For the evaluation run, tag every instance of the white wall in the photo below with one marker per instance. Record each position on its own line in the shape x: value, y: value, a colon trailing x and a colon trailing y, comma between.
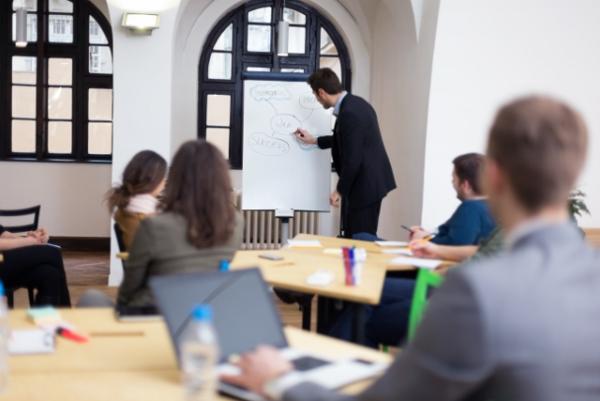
x: 401, y: 77
x: 488, y: 52
x: 142, y: 70
x: 70, y: 194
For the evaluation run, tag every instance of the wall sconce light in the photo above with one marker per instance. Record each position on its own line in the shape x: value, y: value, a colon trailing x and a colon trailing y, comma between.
x: 21, y: 27
x: 140, y: 23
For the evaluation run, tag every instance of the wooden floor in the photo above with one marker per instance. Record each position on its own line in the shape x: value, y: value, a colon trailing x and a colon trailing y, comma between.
x: 86, y: 270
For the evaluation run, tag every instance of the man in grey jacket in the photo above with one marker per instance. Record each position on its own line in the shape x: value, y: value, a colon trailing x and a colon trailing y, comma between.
x: 519, y: 326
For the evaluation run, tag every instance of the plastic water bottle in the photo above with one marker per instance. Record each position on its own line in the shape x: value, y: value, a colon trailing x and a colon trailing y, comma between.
x: 4, y: 336
x: 199, y: 356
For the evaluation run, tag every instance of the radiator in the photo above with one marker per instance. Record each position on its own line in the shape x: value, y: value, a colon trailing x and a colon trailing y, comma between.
x: 262, y: 230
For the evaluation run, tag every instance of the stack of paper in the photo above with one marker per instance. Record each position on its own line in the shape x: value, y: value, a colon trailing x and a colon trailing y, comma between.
x: 392, y: 244
x: 418, y: 262
x: 299, y: 243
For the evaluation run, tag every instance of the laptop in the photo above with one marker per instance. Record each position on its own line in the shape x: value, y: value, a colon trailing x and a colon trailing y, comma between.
x: 244, y: 317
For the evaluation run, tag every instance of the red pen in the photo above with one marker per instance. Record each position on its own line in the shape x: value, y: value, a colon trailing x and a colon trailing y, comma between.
x: 71, y: 335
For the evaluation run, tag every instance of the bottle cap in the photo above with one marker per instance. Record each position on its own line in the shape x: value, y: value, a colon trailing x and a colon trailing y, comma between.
x: 223, y: 265
x: 202, y: 313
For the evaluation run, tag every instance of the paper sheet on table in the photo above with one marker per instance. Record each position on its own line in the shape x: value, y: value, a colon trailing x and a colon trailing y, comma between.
x: 299, y: 243
x: 24, y: 342
x: 391, y: 243
x: 424, y: 263
x: 401, y: 251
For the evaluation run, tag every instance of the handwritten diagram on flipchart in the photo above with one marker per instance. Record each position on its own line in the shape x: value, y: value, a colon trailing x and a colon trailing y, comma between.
x: 279, y: 171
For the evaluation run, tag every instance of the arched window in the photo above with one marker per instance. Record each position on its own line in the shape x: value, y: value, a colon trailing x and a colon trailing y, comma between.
x: 243, y: 46
x: 57, y: 91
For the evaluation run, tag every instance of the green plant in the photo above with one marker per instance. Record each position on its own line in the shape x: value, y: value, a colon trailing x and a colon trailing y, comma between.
x: 577, y: 206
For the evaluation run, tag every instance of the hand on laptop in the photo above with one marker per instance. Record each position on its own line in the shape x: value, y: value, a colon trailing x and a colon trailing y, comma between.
x: 258, y: 368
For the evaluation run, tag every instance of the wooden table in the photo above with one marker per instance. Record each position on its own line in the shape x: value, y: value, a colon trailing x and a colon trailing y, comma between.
x: 121, y: 368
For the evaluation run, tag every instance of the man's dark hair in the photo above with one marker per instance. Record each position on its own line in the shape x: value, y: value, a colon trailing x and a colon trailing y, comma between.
x: 325, y: 79
x: 540, y: 144
x: 468, y: 168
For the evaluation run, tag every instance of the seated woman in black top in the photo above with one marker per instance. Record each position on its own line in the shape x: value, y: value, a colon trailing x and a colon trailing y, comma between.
x: 30, y: 262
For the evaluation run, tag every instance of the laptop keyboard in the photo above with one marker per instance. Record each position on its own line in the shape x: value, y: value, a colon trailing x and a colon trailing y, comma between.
x: 307, y: 363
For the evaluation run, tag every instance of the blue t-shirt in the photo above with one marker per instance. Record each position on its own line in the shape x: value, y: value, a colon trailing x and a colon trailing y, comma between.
x: 469, y: 225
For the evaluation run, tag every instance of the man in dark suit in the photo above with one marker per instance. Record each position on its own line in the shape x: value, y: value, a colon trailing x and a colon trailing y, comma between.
x: 359, y: 157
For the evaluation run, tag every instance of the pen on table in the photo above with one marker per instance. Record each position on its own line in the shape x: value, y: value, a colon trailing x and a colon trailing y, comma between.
x: 283, y: 264
x: 117, y: 334
x: 70, y: 335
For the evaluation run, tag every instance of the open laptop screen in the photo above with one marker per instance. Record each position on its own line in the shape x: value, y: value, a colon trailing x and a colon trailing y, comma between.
x: 244, y: 314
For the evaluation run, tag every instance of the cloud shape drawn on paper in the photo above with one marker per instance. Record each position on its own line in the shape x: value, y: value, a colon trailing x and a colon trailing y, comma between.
x: 285, y: 124
x: 269, y: 92
x: 268, y: 145
x: 309, y: 102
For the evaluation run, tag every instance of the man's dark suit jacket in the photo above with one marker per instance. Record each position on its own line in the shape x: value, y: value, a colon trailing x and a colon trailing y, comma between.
x: 359, y: 157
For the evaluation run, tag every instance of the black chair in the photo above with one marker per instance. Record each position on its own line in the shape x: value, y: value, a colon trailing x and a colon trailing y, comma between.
x: 22, y: 228
x: 119, y: 235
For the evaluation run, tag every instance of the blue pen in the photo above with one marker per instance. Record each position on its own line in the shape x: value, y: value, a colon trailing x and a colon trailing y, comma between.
x: 352, y: 264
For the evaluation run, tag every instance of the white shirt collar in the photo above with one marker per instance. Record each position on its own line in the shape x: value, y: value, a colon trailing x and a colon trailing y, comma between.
x: 143, y: 203
x: 338, y: 104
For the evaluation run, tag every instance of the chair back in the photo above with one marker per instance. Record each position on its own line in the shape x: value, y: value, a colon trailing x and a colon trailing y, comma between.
x: 426, y: 279
x: 119, y: 235
x: 22, y: 228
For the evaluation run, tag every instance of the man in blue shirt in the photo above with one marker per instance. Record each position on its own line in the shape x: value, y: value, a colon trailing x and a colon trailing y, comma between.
x: 472, y: 221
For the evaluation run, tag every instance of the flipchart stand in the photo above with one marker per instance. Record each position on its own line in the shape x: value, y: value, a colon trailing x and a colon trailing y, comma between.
x: 284, y: 215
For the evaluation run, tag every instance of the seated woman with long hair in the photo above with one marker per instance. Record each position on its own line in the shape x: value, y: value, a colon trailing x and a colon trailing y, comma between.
x: 198, y: 225
x: 29, y: 262
x: 137, y: 195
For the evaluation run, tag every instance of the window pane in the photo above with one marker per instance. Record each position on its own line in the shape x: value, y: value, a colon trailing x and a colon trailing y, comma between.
x: 23, y: 136
x: 333, y: 63
x: 327, y: 46
x: 217, y: 110
x: 60, y: 6
x: 258, y: 69
x: 100, y: 60
x: 59, y: 137
x: 100, y: 138
x: 219, y: 66
x: 260, y: 15
x: 294, y: 17
x: 294, y: 70
x: 225, y: 40
x: 23, y: 101
x: 97, y: 36
x: 59, y: 103
x: 30, y: 5
x: 60, y: 28
x: 60, y: 71
x: 24, y: 70
x: 220, y: 138
x: 100, y: 104
x: 259, y: 38
x: 31, y: 27
x: 296, y: 40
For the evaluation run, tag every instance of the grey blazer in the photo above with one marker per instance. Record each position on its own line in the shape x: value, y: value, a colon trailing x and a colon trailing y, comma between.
x: 160, y: 247
x: 521, y: 326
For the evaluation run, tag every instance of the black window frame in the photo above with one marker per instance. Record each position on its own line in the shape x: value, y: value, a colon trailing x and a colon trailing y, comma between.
x: 82, y: 80
x: 241, y: 59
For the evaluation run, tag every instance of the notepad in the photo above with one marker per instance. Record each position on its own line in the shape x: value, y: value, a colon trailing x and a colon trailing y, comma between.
x: 299, y: 243
x: 391, y: 243
x: 418, y: 262
x: 25, y: 342
x: 44, y: 316
x: 400, y: 251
